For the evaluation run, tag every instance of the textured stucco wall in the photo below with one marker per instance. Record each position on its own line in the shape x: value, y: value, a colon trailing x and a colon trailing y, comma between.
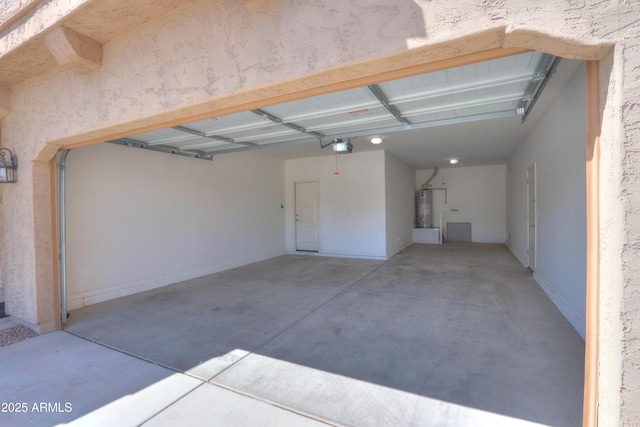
x: 630, y: 197
x: 212, y: 57
x: 12, y: 10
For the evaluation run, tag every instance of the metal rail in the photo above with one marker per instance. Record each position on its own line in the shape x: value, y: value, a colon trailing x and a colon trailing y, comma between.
x: 62, y: 234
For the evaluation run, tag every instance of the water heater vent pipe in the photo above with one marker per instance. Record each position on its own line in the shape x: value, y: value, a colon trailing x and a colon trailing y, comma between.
x: 435, y: 172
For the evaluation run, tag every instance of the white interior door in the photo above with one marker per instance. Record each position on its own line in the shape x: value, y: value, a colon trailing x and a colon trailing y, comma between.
x: 531, y: 213
x: 307, y: 216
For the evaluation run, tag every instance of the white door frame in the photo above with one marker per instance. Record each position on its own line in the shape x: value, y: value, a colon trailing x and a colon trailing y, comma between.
x: 532, y: 210
x: 296, y: 217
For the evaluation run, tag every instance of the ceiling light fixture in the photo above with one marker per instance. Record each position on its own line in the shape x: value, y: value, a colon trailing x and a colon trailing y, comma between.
x: 376, y: 140
x: 454, y: 161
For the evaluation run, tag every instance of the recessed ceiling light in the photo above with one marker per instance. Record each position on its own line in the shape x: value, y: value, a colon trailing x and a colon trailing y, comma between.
x: 376, y: 140
x: 454, y: 161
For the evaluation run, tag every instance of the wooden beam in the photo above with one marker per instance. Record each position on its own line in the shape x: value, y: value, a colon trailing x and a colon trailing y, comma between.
x: 74, y: 50
x: 590, y: 403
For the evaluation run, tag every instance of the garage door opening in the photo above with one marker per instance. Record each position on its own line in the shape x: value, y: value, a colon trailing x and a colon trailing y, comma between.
x: 160, y: 220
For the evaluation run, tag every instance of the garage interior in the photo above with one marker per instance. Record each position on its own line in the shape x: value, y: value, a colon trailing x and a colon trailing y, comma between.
x: 194, y: 261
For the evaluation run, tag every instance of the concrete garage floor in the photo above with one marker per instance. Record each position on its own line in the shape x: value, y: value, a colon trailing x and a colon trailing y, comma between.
x: 457, y: 335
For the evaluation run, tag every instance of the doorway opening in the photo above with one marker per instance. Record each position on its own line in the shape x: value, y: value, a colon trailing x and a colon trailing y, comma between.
x: 306, y: 196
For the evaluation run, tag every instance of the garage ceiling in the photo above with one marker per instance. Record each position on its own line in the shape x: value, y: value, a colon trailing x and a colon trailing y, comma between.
x: 413, y: 115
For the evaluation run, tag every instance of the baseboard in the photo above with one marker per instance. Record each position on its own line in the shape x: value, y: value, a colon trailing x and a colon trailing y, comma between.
x: 570, y: 312
x: 81, y: 299
x: 401, y: 248
x: 520, y: 257
x: 338, y: 255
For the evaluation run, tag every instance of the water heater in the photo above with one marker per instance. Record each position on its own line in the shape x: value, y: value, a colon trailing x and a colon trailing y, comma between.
x: 424, y: 209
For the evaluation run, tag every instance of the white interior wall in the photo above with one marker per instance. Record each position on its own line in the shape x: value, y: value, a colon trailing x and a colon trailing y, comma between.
x: 474, y: 194
x: 139, y: 219
x: 352, y: 204
x: 400, y: 204
x: 557, y: 146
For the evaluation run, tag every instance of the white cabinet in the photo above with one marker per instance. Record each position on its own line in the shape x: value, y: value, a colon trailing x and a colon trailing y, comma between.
x: 426, y: 235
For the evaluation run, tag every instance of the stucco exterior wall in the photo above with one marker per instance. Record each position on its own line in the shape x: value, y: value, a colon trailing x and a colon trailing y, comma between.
x: 210, y: 58
x: 629, y: 57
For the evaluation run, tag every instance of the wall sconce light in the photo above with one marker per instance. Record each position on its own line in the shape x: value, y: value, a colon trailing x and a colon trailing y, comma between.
x: 8, y: 170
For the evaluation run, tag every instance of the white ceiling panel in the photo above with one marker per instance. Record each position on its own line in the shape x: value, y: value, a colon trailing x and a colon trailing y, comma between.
x: 358, y: 128
x: 265, y: 131
x: 343, y: 118
x: 163, y: 136
x: 328, y: 104
x: 203, y: 144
